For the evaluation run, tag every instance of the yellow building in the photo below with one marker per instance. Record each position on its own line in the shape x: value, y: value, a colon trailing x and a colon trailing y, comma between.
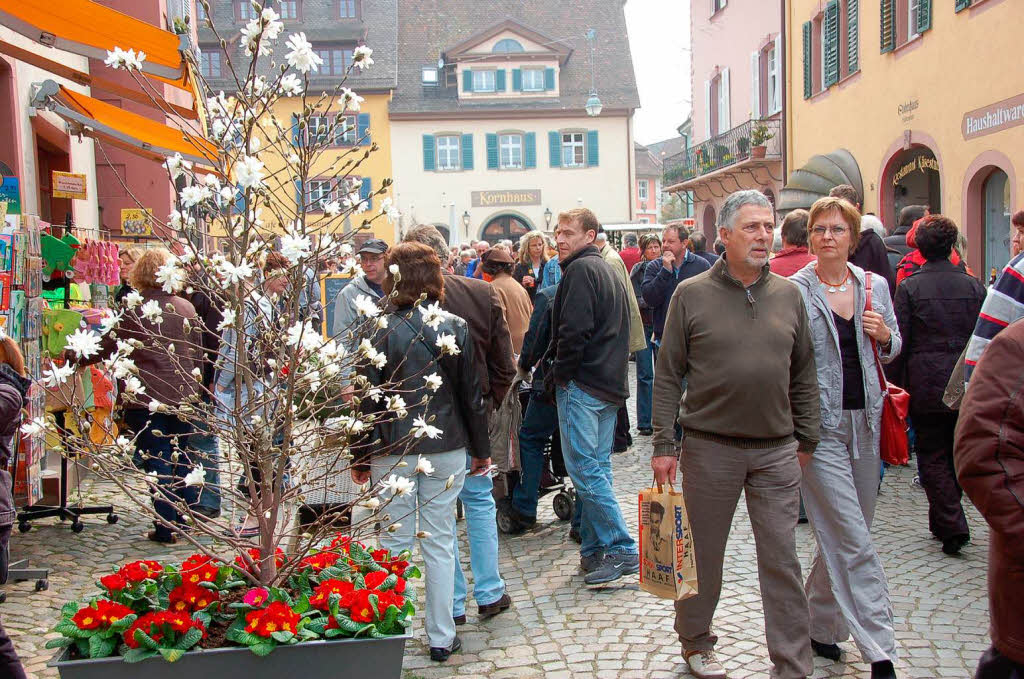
x: 927, y: 96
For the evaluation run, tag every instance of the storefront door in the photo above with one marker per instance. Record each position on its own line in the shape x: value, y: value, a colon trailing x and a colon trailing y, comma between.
x: 997, y: 222
x: 512, y: 227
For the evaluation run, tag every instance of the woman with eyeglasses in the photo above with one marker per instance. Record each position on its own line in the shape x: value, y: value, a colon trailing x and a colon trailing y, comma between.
x: 846, y: 588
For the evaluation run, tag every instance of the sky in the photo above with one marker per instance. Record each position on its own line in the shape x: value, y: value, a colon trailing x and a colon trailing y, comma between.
x: 659, y: 37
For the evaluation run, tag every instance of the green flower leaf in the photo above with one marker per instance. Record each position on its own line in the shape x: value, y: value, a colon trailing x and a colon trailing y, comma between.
x: 172, y: 654
x: 189, y: 639
x: 138, y: 655
x: 123, y: 624
x: 262, y: 649
x: 59, y: 642
x: 283, y: 636
x: 143, y: 639
x: 101, y: 647
x: 69, y: 609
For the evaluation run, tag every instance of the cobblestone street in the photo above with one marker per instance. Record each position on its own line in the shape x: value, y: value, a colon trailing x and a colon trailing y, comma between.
x: 556, y: 628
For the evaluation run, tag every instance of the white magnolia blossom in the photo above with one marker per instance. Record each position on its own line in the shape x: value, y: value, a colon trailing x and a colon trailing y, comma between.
x: 396, y: 404
x: 126, y: 59
x: 382, y: 322
x: 375, y: 394
x: 420, y: 428
x: 212, y: 181
x: 56, y: 375
x: 332, y: 208
x: 34, y: 428
x: 301, y: 56
x: 361, y: 56
x: 295, y: 246
x: 423, y: 465
x: 447, y: 344
x: 432, y: 315
x: 156, y: 406
x: 387, y: 208
x: 433, y: 381
x: 231, y: 274
x: 227, y: 321
x: 152, y: 312
x: 84, y: 343
x: 123, y: 367
x: 290, y: 86
x: 176, y: 165
x: 303, y: 335
x: 365, y: 306
x: 370, y: 503
x: 345, y: 423
x: 352, y: 200
x: 180, y: 221
x: 196, y: 477
x: 171, y: 277
x: 109, y: 320
x: 399, y: 485
x: 226, y: 196
x: 350, y: 101
x: 393, y: 269
x: 249, y: 172
x: 293, y: 159
x: 133, y: 299
x: 194, y: 195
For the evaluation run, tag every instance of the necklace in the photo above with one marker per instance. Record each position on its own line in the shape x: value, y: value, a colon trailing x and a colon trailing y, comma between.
x: 833, y: 287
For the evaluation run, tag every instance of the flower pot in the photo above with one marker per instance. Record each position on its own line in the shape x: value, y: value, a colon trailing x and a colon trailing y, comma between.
x: 757, y: 151
x: 378, y: 658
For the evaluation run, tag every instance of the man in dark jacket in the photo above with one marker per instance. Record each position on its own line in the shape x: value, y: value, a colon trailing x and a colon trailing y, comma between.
x: 204, y: 442
x: 675, y: 265
x: 699, y: 247
x: 870, y: 254
x: 897, y: 240
x: 589, y: 347
x: 989, y: 441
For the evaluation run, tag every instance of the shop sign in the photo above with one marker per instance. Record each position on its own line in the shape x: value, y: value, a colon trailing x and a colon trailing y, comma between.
x: 136, y: 222
x: 906, y: 110
x: 11, y: 195
x: 921, y: 163
x: 69, y: 185
x: 994, y: 117
x: 506, y: 198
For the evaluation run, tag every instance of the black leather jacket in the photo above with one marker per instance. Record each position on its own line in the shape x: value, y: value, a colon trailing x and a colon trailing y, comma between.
x: 457, y: 408
x: 13, y: 388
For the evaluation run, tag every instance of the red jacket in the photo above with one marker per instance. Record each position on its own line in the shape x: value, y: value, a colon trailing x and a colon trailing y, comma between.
x: 790, y: 260
x: 989, y: 458
x: 630, y: 256
x: 909, y: 265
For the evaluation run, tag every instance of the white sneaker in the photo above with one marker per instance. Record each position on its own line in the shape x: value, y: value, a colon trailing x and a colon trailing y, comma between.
x: 704, y: 665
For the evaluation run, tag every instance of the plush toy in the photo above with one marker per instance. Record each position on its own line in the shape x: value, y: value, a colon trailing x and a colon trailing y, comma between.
x: 103, y: 431
x: 57, y: 325
x: 57, y: 254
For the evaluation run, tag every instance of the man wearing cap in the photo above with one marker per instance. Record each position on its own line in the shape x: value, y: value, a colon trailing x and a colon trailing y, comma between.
x: 497, y: 270
x: 346, y: 318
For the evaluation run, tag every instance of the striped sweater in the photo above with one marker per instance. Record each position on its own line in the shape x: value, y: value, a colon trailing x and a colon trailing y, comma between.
x: 1003, y: 306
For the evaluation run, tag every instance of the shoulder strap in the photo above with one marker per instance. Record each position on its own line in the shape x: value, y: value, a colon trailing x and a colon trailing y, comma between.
x: 874, y: 346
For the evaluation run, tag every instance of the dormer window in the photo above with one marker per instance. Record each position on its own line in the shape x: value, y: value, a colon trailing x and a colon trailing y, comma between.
x: 483, y: 81
x: 508, y: 45
x: 533, y: 80
x: 429, y: 76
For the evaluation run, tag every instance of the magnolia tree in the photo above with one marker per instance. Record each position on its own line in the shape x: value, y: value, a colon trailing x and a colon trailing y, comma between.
x: 290, y: 406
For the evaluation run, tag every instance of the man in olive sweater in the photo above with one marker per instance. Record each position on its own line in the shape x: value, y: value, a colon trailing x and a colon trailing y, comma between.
x: 750, y: 421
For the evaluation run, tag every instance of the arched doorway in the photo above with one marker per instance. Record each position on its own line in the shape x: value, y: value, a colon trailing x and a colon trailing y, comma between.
x: 512, y: 227
x: 996, y: 215
x: 707, y: 223
x: 444, y: 231
x: 911, y: 177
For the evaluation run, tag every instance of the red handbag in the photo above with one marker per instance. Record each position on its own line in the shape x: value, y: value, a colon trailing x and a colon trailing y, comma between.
x: 895, y: 448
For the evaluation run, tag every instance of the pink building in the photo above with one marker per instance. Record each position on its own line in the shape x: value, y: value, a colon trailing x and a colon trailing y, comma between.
x: 736, y: 86
x: 647, y: 198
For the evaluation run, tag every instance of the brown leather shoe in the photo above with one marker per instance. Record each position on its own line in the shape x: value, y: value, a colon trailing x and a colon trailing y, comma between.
x: 499, y: 606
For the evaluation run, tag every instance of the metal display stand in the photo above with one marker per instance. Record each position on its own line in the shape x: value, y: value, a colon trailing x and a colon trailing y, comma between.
x: 18, y: 571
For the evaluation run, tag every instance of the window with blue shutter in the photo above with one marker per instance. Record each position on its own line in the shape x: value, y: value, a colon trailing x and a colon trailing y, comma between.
x: 961, y: 5
x: 592, y: 153
x: 429, y: 158
x: 554, y: 149
x: 363, y: 129
x: 499, y: 80
x: 492, y: 152
x: 517, y: 80
x: 364, y: 193
x: 852, y: 36
x: 830, y: 34
x: 467, y: 80
x: 467, y: 152
x: 549, y: 79
x: 808, y: 61
x: 530, y: 150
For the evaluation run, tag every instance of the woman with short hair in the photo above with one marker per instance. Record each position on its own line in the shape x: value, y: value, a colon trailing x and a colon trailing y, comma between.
x: 847, y: 592
x: 529, y: 271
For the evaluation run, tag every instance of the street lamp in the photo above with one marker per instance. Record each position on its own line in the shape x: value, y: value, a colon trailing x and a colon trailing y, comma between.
x: 593, y: 105
x: 547, y: 217
x: 465, y: 219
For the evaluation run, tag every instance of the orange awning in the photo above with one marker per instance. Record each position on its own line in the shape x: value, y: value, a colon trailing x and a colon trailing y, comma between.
x: 131, y: 131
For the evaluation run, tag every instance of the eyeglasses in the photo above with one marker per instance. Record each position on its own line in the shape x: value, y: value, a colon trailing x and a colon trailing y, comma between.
x: 836, y: 231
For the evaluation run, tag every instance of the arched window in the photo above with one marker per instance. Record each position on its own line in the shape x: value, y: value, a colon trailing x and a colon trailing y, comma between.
x: 508, y: 45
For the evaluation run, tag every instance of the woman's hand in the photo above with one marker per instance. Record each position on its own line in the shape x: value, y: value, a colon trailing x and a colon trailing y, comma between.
x: 876, y: 328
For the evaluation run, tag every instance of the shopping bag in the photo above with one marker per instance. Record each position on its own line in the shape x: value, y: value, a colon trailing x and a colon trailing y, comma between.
x: 668, y: 568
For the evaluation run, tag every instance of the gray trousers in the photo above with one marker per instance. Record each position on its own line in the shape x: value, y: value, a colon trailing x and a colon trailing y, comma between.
x: 714, y: 475
x: 846, y: 588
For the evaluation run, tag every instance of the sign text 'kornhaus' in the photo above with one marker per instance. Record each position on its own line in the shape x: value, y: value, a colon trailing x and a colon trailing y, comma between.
x: 506, y: 198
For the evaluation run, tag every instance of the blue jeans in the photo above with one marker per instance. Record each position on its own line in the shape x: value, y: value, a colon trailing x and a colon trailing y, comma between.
x: 482, y: 528
x: 539, y: 423
x: 587, y: 427
x: 645, y: 381
x: 203, y: 446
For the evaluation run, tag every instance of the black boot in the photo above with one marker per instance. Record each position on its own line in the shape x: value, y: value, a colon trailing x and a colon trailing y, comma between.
x: 883, y: 669
x: 830, y: 651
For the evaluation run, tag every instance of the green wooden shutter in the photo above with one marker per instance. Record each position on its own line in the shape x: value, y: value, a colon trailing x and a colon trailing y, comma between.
x: 961, y: 5
x: 492, y: 152
x: 363, y: 129
x: 467, y: 152
x: 499, y: 80
x: 592, y: 152
x: 530, y: 150
x: 808, y: 62
x: 517, y: 80
x: 830, y: 33
x: 429, y: 162
x: 888, y: 17
x: 467, y: 80
x: 853, y: 35
x: 554, y: 149
x: 924, y: 15
x: 549, y: 79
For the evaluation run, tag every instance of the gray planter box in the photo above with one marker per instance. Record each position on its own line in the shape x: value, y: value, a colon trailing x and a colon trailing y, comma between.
x: 377, y: 658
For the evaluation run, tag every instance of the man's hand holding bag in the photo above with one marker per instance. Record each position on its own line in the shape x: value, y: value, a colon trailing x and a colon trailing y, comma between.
x: 668, y: 568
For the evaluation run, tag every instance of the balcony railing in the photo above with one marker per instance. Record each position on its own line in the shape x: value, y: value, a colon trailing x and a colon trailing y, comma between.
x: 724, y: 150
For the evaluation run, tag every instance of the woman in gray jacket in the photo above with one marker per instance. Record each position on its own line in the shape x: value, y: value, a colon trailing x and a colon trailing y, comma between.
x: 846, y: 588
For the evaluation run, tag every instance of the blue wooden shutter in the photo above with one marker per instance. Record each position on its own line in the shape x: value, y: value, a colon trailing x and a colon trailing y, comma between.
x: 961, y: 5
x: 363, y: 129
x: 429, y: 162
x: 296, y: 132
x: 467, y: 80
x: 492, y: 152
x: 852, y: 36
x: 517, y: 80
x: 467, y: 152
x: 808, y: 61
x: 830, y: 34
x: 549, y: 79
x: 299, y: 196
x: 888, y: 17
x: 554, y: 149
x: 924, y: 15
x: 530, y: 150
x: 592, y: 154
x: 364, y: 193
x: 499, y: 80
